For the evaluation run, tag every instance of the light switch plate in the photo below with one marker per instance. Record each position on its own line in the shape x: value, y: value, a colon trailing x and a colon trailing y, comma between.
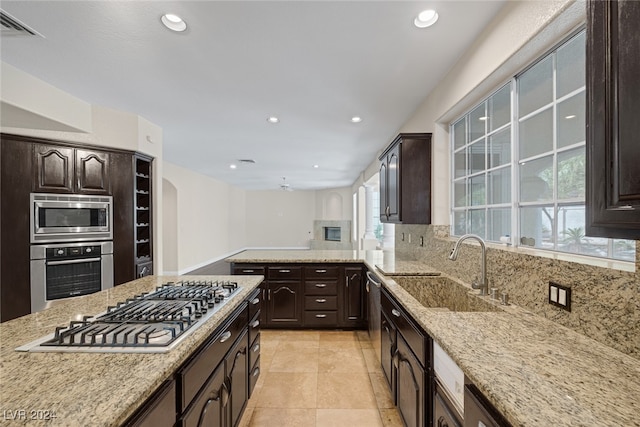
x: 560, y: 296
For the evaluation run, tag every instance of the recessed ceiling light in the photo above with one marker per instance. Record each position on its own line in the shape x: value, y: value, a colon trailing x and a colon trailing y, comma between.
x: 173, y: 22
x: 232, y: 166
x: 273, y: 119
x: 572, y: 116
x: 483, y: 118
x: 426, y: 18
x: 316, y: 166
x: 356, y: 119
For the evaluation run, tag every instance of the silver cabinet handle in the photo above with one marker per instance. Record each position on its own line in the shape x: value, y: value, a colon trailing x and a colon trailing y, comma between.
x: 256, y: 348
x: 320, y: 285
x: 395, y: 312
x: 256, y: 372
x: 247, y: 271
x: 321, y: 271
x: 225, y: 336
x: 347, y: 278
x: 321, y: 300
x: 284, y: 271
x: 321, y: 316
x: 255, y: 323
x: 255, y: 301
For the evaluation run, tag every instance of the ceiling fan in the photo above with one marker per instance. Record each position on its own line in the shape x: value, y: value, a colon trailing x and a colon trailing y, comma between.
x: 285, y: 185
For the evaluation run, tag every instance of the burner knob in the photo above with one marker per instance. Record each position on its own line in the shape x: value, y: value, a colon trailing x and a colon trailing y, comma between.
x: 60, y: 251
x: 88, y: 250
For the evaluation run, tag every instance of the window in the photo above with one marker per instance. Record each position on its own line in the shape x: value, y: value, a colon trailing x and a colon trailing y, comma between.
x: 531, y: 132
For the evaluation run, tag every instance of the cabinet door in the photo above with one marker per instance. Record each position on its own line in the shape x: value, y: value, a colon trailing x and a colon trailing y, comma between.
x: 159, y: 410
x: 383, y: 191
x: 387, y: 350
x: 53, y: 172
x: 285, y: 300
x: 393, y: 184
x: 237, y: 363
x: 353, y: 309
x: 92, y: 172
x: 410, y: 386
x: 613, y: 102
x: 209, y: 408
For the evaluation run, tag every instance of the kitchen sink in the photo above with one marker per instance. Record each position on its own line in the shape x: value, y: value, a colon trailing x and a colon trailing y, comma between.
x: 442, y: 292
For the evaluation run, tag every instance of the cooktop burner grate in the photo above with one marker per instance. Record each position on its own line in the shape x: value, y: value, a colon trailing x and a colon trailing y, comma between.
x: 151, y: 320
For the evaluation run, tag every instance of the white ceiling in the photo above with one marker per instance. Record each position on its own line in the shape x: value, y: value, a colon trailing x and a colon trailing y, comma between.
x: 314, y: 64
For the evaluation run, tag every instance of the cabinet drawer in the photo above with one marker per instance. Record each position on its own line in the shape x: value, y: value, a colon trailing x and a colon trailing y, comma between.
x: 313, y: 287
x: 254, y: 350
x: 320, y: 272
x: 210, y: 403
x: 285, y: 272
x: 254, y: 327
x: 321, y: 318
x: 248, y: 269
x: 320, y: 302
x: 255, y: 303
x: 254, y: 374
x: 194, y: 374
x: 159, y: 410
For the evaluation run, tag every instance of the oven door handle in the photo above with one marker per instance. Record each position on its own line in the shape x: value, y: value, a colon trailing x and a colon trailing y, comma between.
x: 73, y: 261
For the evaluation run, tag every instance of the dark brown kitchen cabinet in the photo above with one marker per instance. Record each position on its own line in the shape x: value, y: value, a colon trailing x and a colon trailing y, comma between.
x: 285, y: 300
x: 443, y: 413
x: 405, y: 180
x: 60, y: 169
x: 159, y: 410
x: 237, y: 366
x: 15, y: 294
x: 209, y: 408
x: 613, y: 128
x: 387, y: 349
x: 478, y: 411
x: 410, y: 386
x: 353, y: 312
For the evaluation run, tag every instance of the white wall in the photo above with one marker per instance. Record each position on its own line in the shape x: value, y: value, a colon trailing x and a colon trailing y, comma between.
x: 280, y: 218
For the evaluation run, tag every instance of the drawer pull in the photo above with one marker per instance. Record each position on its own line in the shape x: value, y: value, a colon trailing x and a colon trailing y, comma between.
x: 321, y: 300
x: 395, y: 312
x: 321, y: 316
x: 256, y: 372
x: 321, y: 271
x: 255, y: 323
x: 225, y: 336
x: 284, y: 271
x: 320, y: 285
x: 256, y: 348
x: 247, y: 271
x: 255, y: 301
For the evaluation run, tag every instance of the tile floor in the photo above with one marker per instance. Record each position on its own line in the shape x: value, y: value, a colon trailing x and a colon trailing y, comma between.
x: 319, y: 379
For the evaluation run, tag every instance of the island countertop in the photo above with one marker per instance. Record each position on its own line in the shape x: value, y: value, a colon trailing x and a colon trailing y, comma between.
x: 91, y: 389
x: 535, y: 372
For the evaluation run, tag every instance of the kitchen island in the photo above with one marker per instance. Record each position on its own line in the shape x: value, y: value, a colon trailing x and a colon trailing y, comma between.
x: 92, y: 389
x: 534, y: 371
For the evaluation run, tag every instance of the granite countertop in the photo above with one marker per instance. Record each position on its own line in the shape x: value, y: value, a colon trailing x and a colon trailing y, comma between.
x: 535, y: 372
x: 91, y: 389
x: 384, y: 261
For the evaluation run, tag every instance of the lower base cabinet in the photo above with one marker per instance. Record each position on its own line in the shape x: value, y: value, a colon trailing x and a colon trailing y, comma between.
x: 212, y: 387
x: 443, y: 413
x: 410, y: 386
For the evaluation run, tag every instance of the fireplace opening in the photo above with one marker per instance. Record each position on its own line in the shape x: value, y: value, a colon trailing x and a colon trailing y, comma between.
x: 332, y: 234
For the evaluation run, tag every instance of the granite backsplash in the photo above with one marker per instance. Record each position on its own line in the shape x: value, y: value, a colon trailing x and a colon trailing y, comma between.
x: 605, y: 303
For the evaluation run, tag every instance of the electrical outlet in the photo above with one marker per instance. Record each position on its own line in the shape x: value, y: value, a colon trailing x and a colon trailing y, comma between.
x: 560, y: 296
x: 403, y: 237
x: 421, y: 240
x: 409, y: 237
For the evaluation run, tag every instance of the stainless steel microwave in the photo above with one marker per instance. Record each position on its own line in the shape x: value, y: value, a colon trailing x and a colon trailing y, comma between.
x: 70, y: 218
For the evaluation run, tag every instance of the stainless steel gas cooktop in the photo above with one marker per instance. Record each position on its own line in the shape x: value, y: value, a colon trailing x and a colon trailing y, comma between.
x: 148, y: 323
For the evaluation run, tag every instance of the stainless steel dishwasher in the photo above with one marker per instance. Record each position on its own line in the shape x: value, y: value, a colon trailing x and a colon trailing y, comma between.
x: 373, y: 291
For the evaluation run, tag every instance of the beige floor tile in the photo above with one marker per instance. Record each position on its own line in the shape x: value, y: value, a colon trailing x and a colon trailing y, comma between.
x: 286, y: 344
x: 342, y: 344
x: 345, y: 391
x: 292, y: 335
x: 338, y: 336
x: 288, y: 390
x: 348, y: 417
x: 271, y: 417
x: 246, y: 417
x: 347, y: 360
x: 299, y: 360
x: 381, y: 390
x: 391, y: 418
x: 371, y: 360
x: 362, y: 335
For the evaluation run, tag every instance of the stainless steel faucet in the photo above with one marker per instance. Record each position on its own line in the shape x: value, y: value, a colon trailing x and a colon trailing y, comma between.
x: 483, y: 285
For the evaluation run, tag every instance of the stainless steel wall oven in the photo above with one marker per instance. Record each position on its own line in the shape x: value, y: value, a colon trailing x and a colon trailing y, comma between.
x: 68, y: 270
x: 70, y: 218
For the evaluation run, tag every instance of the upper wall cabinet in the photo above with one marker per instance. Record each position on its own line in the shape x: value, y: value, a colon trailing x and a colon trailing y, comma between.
x: 61, y: 169
x: 405, y: 180
x: 613, y: 128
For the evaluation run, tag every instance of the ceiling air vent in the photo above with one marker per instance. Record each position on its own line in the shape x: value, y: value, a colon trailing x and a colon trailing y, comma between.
x: 12, y: 27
